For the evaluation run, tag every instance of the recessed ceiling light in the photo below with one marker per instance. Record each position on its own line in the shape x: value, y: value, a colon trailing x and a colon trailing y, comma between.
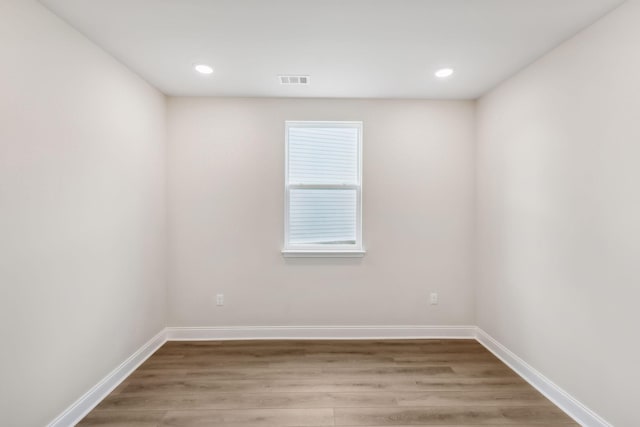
x: 443, y: 73
x: 203, y: 68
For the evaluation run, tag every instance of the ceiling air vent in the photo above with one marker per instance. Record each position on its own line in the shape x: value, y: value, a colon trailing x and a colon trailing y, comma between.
x: 294, y: 80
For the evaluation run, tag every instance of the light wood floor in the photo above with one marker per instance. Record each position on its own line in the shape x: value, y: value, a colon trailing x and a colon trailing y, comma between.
x: 325, y: 383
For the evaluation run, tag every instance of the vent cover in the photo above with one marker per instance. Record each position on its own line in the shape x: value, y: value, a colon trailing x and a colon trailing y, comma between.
x: 294, y: 80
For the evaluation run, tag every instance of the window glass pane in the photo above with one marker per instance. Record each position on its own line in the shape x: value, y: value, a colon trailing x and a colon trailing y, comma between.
x: 323, y: 155
x: 322, y: 216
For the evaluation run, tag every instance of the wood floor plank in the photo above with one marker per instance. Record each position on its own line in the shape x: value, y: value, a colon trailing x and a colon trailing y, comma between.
x: 250, y: 417
x: 133, y: 418
x: 524, y: 397
x: 199, y: 401
x: 449, y: 415
x: 335, y: 385
x: 313, y: 373
x: 289, y: 383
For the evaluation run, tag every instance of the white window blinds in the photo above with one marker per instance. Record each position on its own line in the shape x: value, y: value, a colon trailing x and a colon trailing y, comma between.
x: 323, y: 185
x: 323, y: 155
x: 320, y: 216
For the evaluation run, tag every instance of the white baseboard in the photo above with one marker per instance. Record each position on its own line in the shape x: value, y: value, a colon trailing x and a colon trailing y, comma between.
x: 78, y: 410
x: 572, y: 407
x: 319, y: 332
x: 561, y: 398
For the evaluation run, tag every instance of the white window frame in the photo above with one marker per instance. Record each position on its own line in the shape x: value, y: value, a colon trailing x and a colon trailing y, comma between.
x: 355, y: 250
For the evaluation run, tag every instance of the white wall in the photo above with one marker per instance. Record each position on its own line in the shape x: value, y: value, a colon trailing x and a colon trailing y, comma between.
x: 82, y: 214
x: 559, y: 215
x: 226, y: 168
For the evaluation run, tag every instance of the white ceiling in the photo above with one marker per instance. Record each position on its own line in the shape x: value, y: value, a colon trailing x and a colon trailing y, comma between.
x: 350, y: 48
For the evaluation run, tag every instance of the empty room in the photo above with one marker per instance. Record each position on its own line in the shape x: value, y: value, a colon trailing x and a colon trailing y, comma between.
x: 308, y: 213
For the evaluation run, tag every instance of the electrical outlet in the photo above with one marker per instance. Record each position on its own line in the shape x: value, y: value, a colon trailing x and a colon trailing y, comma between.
x: 434, y: 298
x: 220, y: 299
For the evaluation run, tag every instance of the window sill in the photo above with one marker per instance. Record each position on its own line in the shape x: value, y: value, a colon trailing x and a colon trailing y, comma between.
x: 344, y: 253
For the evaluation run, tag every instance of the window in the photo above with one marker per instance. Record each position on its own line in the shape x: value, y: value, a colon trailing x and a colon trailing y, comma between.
x: 323, y: 183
